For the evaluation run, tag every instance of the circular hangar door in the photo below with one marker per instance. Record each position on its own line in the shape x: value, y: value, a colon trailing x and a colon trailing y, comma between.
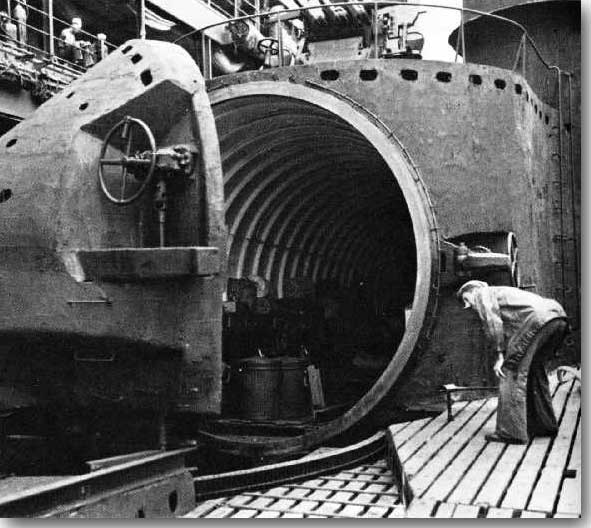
x: 318, y: 189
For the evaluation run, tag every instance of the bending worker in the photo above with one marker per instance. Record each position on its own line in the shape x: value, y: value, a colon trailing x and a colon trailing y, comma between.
x: 526, y: 330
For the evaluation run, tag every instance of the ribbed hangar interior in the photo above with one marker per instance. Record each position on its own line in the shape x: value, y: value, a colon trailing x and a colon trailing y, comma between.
x: 309, y: 199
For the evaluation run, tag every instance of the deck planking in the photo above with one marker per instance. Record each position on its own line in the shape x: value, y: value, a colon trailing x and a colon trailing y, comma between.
x: 453, y: 470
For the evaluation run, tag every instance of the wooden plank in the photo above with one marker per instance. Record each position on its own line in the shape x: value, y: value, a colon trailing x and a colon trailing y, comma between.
x: 244, y: 514
x: 499, y: 513
x: 305, y: 506
x: 261, y: 502
x: 298, y: 493
x: 527, y: 514
x: 460, y: 465
x: 400, y: 437
x: 320, y: 494
x: 548, y: 485
x: 365, y: 498
x: 570, y: 496
x: 574, y: 461
x: 398, y: 512
x: 500, y: 477
x: 406, y: 450
x: 386, y: 495
x: 445, y: 510
x: 204, y: 508
x: 377, y: 470
x: 292, y: 515
x: 498, y: 480
x: 442, y: 473
x: 341, y: 500
x: 376, y: 512
x: 221, y: 512
x: 333, y: 484
x: 284, y: 504
x: 566, y: 516
x: 431, y: 450
x: 466, y: 511
x: 420, y: 509
x: 355, y: 485
x: 328, y: 508
x: 268, y: 515
x: 397, y: 427
x: 279, y: 490
x: 523, y: 482
x: 474, y: 478
x: 239, y: 500
x: 352, y: 510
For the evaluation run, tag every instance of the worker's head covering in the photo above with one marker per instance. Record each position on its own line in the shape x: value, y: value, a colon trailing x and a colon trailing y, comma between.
x: 468, y: 287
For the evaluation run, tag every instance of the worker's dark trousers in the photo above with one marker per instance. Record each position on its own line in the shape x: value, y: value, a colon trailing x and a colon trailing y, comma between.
x: 525, y: 403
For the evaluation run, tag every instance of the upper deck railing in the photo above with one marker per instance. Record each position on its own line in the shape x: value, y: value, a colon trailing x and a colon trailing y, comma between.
x: 40, y: 50
x: 45, y: 38
x: 525, y: 46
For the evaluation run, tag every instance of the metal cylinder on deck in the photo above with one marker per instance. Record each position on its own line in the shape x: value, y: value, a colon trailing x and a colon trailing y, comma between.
x: 260, y: 381
x: 294, y: 394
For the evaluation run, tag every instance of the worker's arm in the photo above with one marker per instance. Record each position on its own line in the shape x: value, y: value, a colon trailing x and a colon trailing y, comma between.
x: 488, y: 309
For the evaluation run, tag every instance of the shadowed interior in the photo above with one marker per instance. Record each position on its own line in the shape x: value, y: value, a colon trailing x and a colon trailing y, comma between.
x: 308, y: 196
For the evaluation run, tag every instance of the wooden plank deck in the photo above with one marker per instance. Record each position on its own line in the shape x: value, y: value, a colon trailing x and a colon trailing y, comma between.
x: 454, y: 472
x: 464, y: 475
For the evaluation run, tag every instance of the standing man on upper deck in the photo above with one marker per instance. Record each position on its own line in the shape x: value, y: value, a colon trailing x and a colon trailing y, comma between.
x: 20, y: 12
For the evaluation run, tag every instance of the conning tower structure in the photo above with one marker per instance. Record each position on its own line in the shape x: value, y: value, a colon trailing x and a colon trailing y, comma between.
x: 555, y: 27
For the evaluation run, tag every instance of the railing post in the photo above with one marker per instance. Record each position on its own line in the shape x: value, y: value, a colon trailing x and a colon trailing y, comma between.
x: 142, y: 19
x: 463, y: 37
x: 206, y: 56
x: 524, y: 56
x: 51, y: 28
x: 280, y: 40
x: 257, y: 11
x: 375, y: 31
x: 518, y: 54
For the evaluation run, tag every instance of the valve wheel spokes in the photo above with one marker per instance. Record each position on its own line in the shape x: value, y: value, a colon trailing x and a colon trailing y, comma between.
x: 125, y: 129
x: 268, y: 45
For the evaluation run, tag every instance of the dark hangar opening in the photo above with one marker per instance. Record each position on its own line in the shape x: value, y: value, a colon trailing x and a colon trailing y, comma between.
x: 314, y: 210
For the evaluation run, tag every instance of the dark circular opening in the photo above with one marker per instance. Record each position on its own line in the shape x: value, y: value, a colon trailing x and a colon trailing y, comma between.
x: 83, y: 106
x: 11, y: 142
x: 368, y: 75
x: 443, y: 76
x: 314, y: 209
x: 146, y: 77
x: 5, y: 194
x: 409, y: 75
x: 329, y: 75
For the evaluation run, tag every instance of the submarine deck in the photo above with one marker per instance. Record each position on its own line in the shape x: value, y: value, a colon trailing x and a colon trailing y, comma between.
x: 453, y: 470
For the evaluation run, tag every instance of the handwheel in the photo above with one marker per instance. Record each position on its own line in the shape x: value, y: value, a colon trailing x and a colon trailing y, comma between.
x: 268, y: 45
x: 144, y: 162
